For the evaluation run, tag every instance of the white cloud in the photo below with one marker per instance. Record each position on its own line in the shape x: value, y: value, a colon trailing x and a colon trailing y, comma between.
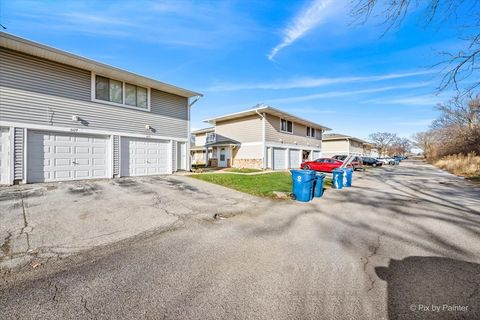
x: 310, y: 82
x: 422, y: 100
x: 174, y: 23
x: 333, y: 94
x: 309, y: 18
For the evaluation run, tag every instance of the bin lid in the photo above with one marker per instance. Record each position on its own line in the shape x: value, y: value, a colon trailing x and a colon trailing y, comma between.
x: 303, y: 172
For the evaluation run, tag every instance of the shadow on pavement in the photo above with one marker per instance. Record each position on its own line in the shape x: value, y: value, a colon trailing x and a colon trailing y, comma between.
x: 431, y: 288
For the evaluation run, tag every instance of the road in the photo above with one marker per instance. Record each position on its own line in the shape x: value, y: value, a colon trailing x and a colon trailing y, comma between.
x: 403, y: 243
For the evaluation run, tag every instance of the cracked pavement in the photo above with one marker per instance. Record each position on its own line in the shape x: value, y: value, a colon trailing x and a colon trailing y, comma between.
x: 41, y: 222
x: 402, y: 237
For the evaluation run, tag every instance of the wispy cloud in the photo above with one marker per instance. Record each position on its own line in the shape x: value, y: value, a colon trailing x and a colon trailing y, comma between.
x: 175, y: 23
x: 311, y: 82
x: 422, y: 100
x: 310, y: 17
x: 334, y: 94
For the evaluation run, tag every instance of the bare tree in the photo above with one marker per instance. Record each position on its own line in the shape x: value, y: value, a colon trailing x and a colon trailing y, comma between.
x: 457, y: 66
x: 383, y: 141
x: 399, y: 146
x: 425, y: 141
x: 460, y: 112
x: 456, y: 131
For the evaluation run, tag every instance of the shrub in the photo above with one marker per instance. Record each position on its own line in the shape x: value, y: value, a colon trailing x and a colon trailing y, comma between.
x: 467, y: 166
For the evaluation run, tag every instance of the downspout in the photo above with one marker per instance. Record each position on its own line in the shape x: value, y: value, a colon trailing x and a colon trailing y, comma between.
x: 263, y: 138
x: 188, y: 159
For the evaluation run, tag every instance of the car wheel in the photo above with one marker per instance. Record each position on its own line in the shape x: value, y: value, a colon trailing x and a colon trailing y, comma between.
x: 374, y: 164
x: 306, y: 167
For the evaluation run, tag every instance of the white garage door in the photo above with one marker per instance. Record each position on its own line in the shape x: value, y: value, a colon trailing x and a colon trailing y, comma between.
x: 4, y: 155
x: 316, y: 155
x: 295, y: 159
x: 142, y: 157
x: 279, y: 159
x: 53, y: 156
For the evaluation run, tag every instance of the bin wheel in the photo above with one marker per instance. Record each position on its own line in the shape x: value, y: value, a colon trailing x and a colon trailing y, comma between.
x: 292, y: 196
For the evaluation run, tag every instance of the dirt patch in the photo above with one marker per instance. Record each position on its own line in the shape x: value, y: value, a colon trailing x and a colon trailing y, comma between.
x: 179, y: 185
x: 85, y: 189
x: 6, y: 246
x: 126, y: 183
x: 14, y: 193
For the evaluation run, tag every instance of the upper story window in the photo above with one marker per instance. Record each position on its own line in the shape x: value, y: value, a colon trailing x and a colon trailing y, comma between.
x: 122, y: 93
x: 286, y: 126
x: 211, y: 137
x: 311, y: 132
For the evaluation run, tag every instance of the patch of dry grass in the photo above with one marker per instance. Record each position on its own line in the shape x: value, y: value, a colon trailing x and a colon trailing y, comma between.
x: 465, y: 166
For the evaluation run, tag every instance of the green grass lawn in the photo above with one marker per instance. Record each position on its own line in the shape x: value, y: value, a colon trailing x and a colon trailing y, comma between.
x: 242, y: 170
x: 261, y: 185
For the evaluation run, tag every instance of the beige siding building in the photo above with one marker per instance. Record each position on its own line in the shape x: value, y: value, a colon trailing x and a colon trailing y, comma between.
x: 263, y: 138
x: 340, y: 144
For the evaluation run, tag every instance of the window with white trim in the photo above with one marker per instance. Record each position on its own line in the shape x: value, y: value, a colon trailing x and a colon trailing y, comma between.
x: 122, y: 93
x: 311, y: 132
x: 286, y: 126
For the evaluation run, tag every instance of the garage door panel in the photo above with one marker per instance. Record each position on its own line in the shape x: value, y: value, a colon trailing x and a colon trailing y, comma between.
x: 65, y: 156
x: 61, y: 149
x: 294, y: 158
x: 144, y: 157
x: 59, y: 162
x: 61, y: 175
x: 279, y: 159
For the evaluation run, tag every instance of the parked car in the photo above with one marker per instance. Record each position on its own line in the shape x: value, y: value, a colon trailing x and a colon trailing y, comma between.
x: 387, y: 160
x: 357, y: 162
x: 323, y: 164
x: 369, y: 161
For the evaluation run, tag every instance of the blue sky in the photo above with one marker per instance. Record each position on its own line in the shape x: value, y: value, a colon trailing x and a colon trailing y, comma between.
x: 308, y: 57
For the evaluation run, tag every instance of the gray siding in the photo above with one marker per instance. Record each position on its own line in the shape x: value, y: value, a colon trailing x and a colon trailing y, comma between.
x: 38, y: 91
x: 24, y: 72
x: 18, y: 154
x: 116, y: 155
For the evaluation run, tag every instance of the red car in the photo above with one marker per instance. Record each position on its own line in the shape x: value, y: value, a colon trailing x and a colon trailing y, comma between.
x: 323, y: 164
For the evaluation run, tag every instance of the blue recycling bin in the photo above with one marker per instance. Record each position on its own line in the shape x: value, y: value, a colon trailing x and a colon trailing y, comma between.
x: 348, y: 176
x: 337, y: 179
x: 318, y: 189
x: 302, y: 184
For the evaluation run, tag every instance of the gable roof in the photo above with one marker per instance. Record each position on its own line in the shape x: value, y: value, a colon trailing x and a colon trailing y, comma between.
x: 339, y: 136
x: 259, y: 109
x: 204, y: 130
x: 39, y: 50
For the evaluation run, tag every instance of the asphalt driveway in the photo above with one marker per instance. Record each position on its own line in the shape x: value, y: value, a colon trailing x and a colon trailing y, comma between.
x: 51, y: 220
x: 403, y: 243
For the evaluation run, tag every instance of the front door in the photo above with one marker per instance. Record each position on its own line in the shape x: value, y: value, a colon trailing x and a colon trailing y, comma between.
x: 182, y: 156
x: 222, y: 157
